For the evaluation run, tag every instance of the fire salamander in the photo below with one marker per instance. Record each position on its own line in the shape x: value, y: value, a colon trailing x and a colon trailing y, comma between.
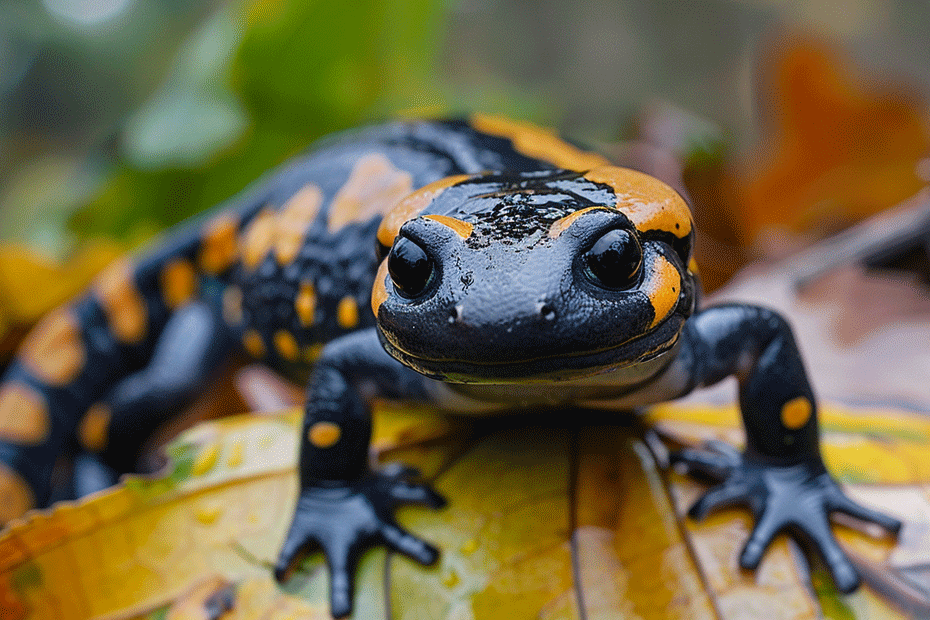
x: 513, y: 269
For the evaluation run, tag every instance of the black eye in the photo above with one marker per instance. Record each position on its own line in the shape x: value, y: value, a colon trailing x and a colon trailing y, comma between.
x: 614, y: 260
x: 410, y: 268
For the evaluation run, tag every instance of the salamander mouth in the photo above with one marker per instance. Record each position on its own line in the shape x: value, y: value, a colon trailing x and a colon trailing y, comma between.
x: 558, y: 367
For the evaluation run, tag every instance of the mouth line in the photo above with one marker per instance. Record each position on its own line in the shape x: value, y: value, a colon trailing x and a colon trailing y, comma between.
x: 576, y: 364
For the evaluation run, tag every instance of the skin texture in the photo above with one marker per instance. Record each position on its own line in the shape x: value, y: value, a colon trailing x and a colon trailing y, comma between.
x: 503, y: 268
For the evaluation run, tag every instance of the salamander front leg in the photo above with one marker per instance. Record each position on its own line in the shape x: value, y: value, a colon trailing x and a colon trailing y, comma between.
x: 780, y: 475
x: 343, y: 507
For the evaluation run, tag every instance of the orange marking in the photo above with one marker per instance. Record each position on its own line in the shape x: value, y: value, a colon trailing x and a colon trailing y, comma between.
x: 374, y: 186
x: 232, y: 305
x: 663, y: 286
x: 693, y: 266
x: 218, y: 248
x: 293, y: 220
x: 379, y: 291
x: 324, y: 434
x: 538, y: 142
x: 258, y: 238
x: 347, y: 313
x: 178, y: 282
x: 95, y: 427
x: 286, y: 345
x: 15, y: 495
x: 253, y: 343
x: 305, y: 304
x: 122, y: 302
x: 53, y: 352
x: 412, y: 205
x: 648, y: 202
x: 463, y: 229
x: 562, y: 224
x: 796, y: 412
x: 23, y: 414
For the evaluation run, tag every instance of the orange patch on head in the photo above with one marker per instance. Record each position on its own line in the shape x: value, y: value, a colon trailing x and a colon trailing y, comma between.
x: 53, y: 351
x: 94, y: 428
x: 796, y: 412
x: 374, y: 186
x: 122, y: 302
x: 305, y: 304
x: 462, y: 229
x: 286, y: 345
x: 218, y: 247
x: 411, y: 206
x: 293, y: 220
x: 538, y: 142
x: 324, y: 434
x: 562, y: 224
x: 24, y: 416
x: 258, y: 238
x: 379, y: 291
x: 232, y: 305
x: 178, y: 282
x: 663, y: 286
x: 15, y: 495
x: 253, y: 343
x: 648, y: 202
x: 347, y: 313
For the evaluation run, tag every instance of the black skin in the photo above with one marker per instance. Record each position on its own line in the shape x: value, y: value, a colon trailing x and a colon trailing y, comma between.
x: 504, y: 305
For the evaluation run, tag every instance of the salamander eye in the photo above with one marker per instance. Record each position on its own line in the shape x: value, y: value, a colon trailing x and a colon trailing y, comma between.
x: 613, y: 262
x: 410, y: 268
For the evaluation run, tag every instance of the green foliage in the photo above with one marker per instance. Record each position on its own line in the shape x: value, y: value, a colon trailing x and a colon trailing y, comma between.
x: 256, y: 85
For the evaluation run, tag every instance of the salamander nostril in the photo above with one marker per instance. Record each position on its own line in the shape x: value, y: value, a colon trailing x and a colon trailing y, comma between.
x: 456, y: 314
x: 546, y: 311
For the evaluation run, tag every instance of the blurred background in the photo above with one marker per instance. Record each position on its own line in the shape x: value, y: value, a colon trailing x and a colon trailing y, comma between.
x: 788, y: 121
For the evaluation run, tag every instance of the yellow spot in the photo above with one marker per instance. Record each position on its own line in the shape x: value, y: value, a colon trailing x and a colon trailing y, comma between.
x: 379, y: 291
x: 693, y: 266
x: 258, y: 238
x: 209, y: 516
x: 253, y: 343
x: 375, y: 185
x: 218, y: 248
x: 305, y: 304
x: 312, y: 352
x: 347, y: 313
x: 663, y: 286
x: 451, y: 580
x: 411, y: 206
x: 23, y: 414
x: 286, y: 345
x: 206, y: 459
x: 15, y: 495
x: 178, y: 282
x: 796, y: 412
x: 122, y: 302
x: 236, y: 454
x: 538, y: 142
x: 293, y: 220
x: 469, y: 546
x: 562, y: 224
x: 232, y: 305
x: 648, y: 202
x: 94, y: 428
x: 53, y: 351
x: 324, y: 434
x: 462, y: 229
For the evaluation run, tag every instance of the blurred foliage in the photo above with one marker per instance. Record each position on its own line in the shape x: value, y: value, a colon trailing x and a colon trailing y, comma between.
x: 257, y: 83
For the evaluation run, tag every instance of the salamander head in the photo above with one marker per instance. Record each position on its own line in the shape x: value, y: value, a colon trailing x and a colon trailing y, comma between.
x: 543, y: 276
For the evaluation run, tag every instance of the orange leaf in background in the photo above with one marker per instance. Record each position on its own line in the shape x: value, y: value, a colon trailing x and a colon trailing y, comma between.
x: 835, y: 149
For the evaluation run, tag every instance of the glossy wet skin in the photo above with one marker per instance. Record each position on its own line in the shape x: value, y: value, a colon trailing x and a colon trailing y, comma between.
x: 534, y: 277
